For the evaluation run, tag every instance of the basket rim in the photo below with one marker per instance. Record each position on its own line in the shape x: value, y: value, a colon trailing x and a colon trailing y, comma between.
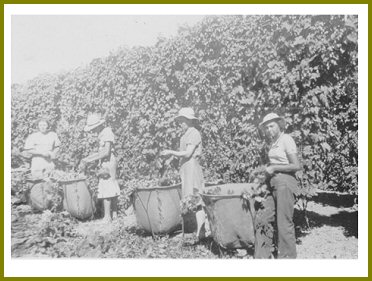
x: 178, y: 185
x: 223, y: 196
x: 36, y: 180
x: 72, y: 180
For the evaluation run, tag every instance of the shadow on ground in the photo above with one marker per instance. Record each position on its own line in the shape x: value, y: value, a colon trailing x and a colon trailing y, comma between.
x: 346, y: 219
x: 338, y: 200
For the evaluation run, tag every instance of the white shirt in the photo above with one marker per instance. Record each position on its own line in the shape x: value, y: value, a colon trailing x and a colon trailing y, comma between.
x: 42, y: 143
x: 281, y: 148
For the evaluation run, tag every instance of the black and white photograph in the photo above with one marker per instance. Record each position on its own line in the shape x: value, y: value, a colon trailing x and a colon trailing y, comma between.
x: 198, y: 137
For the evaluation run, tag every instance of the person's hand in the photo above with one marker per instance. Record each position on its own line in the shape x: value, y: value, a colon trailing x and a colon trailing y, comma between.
x: 53, y: 156
x: 26, y: 155
x: 46, y: 154
x: 82, y: 165
x: 269, y: 170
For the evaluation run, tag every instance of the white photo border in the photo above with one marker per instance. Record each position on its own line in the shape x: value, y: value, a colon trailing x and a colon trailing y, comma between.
x: 198, y: 267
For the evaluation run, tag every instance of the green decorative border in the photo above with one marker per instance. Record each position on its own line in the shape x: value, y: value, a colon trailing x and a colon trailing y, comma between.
x: 162, y: 2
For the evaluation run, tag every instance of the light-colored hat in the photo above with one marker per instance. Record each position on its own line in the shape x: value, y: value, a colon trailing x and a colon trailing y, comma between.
x: 93, y: 121
x: 271, y: 117
x: 188, y: 113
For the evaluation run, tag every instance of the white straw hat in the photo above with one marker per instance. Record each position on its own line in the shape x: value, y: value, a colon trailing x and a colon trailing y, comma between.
x: 93, y: 121
x: 188, y: 113
x: 271, y: 117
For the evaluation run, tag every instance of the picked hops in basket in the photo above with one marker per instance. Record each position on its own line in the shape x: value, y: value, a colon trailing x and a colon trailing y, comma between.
x: 190, y: 203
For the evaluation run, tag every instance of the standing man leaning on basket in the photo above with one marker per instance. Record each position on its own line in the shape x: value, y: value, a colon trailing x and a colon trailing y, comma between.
x: 281, y: 169
x: 108, y: 186
x: 189, y: 153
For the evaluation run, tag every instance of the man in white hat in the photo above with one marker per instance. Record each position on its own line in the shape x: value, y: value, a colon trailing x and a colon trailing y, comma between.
x: 283, y: 163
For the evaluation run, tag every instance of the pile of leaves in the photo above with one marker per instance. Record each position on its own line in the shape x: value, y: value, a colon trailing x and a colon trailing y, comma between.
x: 42, y: 235
x: 168, y: 181
x: 190, y: 204
x: 257, y: 188
x: 128, y: 188
x: 215, y: 190
x: 59, y: 235
x: 19, y: 186
x: 61, y: 176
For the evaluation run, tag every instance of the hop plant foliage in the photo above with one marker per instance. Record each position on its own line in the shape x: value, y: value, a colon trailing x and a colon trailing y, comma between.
x: 232, y: 70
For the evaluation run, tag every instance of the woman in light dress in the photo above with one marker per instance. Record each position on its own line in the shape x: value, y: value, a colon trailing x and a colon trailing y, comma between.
x: 189, y: 153
x: 108, y: 186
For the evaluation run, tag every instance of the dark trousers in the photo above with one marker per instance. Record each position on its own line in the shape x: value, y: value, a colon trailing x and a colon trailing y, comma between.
x: 277, y: 212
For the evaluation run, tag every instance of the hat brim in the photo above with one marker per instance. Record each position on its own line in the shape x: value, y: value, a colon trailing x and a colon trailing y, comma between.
x: 271, y: 120
x: 177, y: 118
x: 88, y: 128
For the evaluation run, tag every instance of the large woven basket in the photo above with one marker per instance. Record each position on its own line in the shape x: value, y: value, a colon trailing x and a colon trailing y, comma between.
x: 158, y: 209
x: 230, y: 216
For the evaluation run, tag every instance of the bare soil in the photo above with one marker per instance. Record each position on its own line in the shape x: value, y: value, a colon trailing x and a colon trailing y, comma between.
x: 330, y: 232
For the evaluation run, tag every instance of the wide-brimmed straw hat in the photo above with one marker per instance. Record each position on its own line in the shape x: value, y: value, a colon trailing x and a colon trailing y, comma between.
x: 270, y: 118
x: 93, y: 121
x: 186, y: 112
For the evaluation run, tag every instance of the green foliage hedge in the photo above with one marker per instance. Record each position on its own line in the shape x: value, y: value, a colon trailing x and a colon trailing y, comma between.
x: 232, y: 70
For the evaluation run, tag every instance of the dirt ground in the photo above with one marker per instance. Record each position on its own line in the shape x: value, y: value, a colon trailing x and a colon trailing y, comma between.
x: 333, y: 233
x: 330, y: 233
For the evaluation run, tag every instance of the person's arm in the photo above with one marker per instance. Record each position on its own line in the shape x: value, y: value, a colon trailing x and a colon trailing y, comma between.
x: 293, y: 166
x: 57, y: 143
x: 193, y: 141
x: 29, y: 149
x: 35, y: 152
x: 190, y: 148
x: 290, y: 149
x: 54, y: 153
x: 102, y: 153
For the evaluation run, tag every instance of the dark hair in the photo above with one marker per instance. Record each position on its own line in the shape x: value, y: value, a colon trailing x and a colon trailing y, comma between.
x: 100, y: 127
x: 281, y: 124
x: 196, y: 124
